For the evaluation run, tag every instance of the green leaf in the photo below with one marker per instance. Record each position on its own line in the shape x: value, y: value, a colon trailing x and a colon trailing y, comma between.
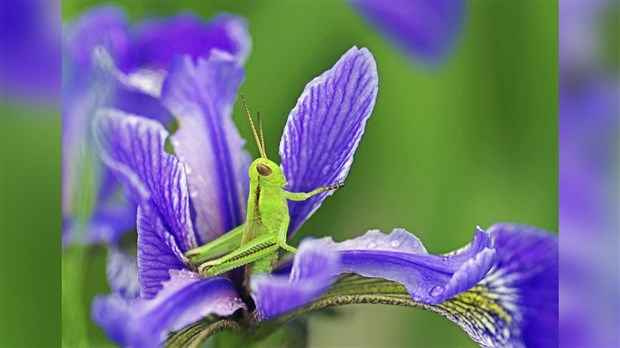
x: 478, y: 310
x: 194, y: 335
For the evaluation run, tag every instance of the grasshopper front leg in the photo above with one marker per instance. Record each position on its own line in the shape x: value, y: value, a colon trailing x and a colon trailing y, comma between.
x: 302, y: 196
x: 251, y: 251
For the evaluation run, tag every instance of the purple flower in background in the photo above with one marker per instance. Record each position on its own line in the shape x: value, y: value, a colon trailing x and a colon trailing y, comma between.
x: 107, y: 62
x: 588, y: 160
x: 30, y: 46
x: 499, y: 288
x: 425, y: 30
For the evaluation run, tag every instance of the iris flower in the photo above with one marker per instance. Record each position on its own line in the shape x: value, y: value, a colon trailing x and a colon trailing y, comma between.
x: 107, y: 62
x: 501, y: 288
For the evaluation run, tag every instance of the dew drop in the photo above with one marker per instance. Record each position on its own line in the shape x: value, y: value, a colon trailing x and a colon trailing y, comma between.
x: 371, y: 245
x: 437, y: 290
x: 395, y: 243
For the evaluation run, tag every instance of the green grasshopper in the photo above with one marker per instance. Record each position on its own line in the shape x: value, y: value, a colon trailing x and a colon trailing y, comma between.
x: 255, y: 242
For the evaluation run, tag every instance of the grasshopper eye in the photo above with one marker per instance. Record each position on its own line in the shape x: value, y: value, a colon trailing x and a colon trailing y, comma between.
x: 263, y: 169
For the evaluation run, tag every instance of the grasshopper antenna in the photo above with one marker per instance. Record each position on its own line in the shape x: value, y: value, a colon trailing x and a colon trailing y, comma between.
x: 261, y: 148
x: 260, y: 130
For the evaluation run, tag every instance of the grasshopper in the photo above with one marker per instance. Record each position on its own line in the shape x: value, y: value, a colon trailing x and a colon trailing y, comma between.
x: 257, y: 241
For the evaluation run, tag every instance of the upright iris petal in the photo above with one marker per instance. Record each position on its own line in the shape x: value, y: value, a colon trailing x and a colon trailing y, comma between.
x: 325, y: 127
x: 201, y: 96
x: 424, y: 29
x: 133, y: 148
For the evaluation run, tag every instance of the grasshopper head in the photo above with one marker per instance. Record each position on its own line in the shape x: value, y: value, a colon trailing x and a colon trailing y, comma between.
x: 262, y: 169
x: 267, y: 172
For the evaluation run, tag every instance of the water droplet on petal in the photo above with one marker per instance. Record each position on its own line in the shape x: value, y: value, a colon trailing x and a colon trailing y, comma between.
x: 371, y: 245
x: 437, y: 290
x: 395, y: 243
x: 416, y: 298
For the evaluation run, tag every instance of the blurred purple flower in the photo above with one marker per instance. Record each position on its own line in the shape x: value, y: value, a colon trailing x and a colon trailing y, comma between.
x: 588, y: 160
x: 425, y: 30
x: 515, y: 267
x: 30, y: 46
x: 108, y: 63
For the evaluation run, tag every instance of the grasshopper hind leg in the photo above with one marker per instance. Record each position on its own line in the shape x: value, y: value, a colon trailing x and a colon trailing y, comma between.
x: 250, y: 252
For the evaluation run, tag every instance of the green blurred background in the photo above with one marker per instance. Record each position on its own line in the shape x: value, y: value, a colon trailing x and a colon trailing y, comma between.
x: 451, y: 146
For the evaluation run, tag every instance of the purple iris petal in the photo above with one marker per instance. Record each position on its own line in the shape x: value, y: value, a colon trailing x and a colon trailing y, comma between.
x: 184, y: 299
x: 424, y: 29
x: 313, y: 272
x: 158, y: 253
x: 525, y: 281
x: 398, y: 256
x: 323, y: 130
x: 133, y: 147
x: 201, y: 96
x: 186, y: 34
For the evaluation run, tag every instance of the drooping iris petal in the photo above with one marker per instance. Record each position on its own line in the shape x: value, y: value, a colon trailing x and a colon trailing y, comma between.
x: 524, y: 281
x: 184, y: 299
x: 313, y: 272
x: 398, y: 256
x: 201, y: 96
x: 157, y: 40
x: 424, y: 29
x: 158, y: 253
x: 325, y: 127
x: 133, y: 148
